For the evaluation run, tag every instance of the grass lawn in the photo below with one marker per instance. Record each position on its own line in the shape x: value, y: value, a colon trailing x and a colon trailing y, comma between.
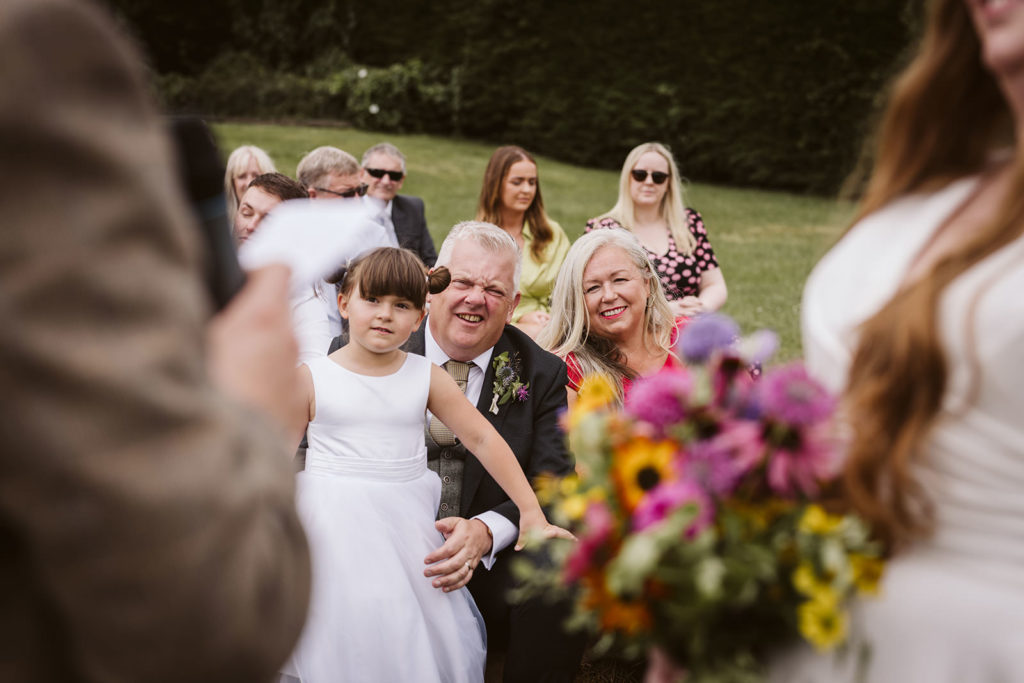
x: 766, y: 242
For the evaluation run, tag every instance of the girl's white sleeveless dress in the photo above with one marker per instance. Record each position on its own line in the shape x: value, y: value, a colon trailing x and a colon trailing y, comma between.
x: 368, y: 502
x: 951, y: 608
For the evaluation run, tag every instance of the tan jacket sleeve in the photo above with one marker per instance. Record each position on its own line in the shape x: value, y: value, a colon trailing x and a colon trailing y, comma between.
x: 154, y: 518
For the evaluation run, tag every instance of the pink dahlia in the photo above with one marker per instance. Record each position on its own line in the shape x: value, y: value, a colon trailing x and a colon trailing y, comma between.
x: 799, y: 458
x: 661, y: 399
x: 718, y: 462
x: 788, y: 394
x: 669, y: 497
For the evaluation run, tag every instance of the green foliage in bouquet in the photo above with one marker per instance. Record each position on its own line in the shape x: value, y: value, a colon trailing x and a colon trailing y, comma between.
x: 695, y: 510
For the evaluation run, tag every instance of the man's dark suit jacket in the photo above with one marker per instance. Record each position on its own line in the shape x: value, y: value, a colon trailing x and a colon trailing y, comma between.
x: 410, y: 221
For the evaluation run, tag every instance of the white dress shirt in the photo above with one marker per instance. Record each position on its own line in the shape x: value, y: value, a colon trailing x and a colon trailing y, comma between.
x: 503, y: 532
x: 380, y: 212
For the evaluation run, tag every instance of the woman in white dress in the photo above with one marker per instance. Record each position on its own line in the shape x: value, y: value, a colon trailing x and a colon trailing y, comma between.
x: 917, y: 315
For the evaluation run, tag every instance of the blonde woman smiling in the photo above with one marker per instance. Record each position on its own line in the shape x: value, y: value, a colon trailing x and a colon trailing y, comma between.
x: 609, y: 315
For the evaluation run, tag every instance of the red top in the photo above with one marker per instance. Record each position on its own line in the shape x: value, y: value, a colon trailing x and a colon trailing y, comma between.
x: 576, y: 376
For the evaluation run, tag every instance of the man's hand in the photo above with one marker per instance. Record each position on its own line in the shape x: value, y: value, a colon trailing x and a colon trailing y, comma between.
x: 466, y: 541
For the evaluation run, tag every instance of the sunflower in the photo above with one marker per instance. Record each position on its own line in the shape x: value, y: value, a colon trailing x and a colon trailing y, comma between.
x: 640, y: 465
x: 822, y: 623
x: 816, y: 521
x: 807, y: 581
x: 867, y: 572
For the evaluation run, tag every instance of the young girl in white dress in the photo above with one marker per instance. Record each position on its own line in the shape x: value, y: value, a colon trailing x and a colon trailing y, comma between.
x: 368, y: 501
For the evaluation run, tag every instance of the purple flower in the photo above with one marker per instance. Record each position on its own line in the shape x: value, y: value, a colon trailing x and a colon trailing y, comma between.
x: 661, y: 399
x: 522, y: 393
x: 788, y: 394
x: 759, y: 347
x: 706, y: 334
x: 669, y: 497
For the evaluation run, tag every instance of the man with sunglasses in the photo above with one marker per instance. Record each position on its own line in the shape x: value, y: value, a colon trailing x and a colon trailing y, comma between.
x: 328, y: 173
x: 402, y: 216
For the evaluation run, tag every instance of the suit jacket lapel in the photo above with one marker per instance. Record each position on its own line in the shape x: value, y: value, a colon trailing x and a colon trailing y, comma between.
x: 473, y: 471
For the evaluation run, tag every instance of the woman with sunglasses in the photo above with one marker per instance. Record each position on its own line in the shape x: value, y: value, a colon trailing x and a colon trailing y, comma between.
x: 510, y: 198
x: 651, y: 206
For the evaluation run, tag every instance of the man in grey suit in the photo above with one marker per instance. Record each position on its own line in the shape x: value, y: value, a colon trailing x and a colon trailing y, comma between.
x: 402, y: 216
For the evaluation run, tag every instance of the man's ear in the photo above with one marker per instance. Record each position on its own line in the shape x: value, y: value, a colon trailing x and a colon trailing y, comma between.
x: 512, y: 309
x: 311, y: 192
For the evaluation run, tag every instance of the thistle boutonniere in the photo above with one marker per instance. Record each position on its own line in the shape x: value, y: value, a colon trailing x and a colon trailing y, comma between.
x: 507, y: 383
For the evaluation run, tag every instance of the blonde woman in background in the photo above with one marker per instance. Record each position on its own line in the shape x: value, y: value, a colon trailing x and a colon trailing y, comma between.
x: 650, y: 205
x: 510, y: 198
x: 244, y: 164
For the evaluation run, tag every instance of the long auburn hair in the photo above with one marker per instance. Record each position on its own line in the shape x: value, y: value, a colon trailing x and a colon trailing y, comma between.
x: 938, y: 127
x: 489, y: 206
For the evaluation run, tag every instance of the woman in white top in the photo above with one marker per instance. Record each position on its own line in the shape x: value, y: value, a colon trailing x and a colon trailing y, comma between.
x: 917, y: 317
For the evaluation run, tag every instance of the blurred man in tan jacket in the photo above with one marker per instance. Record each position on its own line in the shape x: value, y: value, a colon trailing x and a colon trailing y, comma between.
x: 147, y: 530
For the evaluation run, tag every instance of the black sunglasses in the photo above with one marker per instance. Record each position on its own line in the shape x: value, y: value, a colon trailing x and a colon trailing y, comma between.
x: 640, y: 175
x: 380, y: 173
x: 357, y: 191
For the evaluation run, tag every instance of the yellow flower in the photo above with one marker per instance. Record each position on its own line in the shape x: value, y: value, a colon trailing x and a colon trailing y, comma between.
x: 807, y: 581
x: 574, y: 507
x: 822, y: 624
x: 816, y: 521
x: 595, y: 392
x: 569, y: 485
x: 639, y: 465
x: 867, y: 572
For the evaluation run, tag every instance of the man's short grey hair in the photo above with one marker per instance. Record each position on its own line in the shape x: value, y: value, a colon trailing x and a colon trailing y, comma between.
x: 384, y: 148
x: 487, y: 235
x: 323, y: 161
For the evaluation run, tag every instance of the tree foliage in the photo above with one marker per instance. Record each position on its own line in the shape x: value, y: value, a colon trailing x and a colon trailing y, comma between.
x: 770, y: 94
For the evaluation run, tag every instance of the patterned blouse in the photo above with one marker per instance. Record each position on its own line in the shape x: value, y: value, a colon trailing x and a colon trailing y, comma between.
x: 680, y: 274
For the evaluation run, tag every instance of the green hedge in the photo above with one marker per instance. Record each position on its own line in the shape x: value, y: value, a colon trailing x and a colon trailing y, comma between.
x: 768, y: 94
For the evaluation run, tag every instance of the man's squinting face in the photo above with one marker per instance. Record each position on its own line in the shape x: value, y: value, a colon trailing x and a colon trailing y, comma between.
x: 255, y: 205
x: 468, y: 317
x: 383, y: 188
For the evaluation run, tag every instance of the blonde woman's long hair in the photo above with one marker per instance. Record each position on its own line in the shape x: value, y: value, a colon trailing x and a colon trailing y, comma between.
x: 939, y: 126
x: 672, y: 209
x: 569, y: 328
x: 236, y: 163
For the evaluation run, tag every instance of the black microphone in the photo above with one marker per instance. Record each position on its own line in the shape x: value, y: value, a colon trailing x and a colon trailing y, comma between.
x: 201, y: 173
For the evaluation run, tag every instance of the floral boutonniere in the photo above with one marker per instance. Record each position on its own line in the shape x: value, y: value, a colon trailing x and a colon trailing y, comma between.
x: 507, y: 384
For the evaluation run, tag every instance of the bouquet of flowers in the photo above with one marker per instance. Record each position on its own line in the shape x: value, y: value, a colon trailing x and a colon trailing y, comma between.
x: 694, y: 507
